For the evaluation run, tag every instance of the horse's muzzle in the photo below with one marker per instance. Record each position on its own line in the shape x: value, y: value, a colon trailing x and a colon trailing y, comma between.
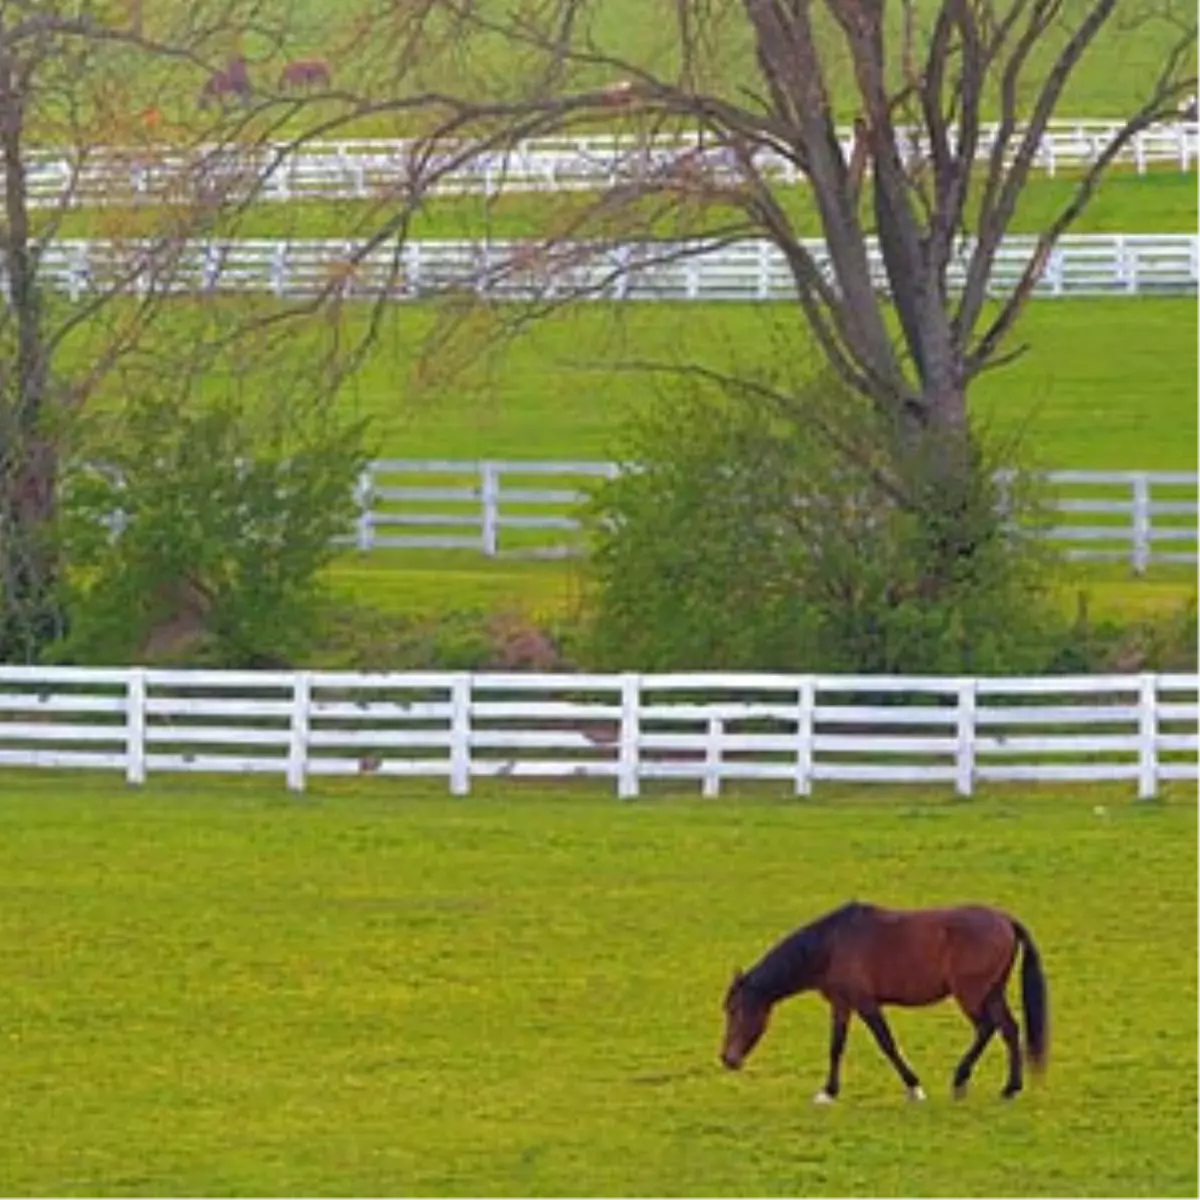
x: 730, y: 1063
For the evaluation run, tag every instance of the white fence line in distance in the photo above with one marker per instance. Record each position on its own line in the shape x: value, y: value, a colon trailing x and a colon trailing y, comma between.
x: 754, y: 270
x: 368, y: 169
x: 793, y: 731
x: 531, y: 508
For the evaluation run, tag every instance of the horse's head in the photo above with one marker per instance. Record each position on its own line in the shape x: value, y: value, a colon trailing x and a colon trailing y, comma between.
x: 746, y: 1014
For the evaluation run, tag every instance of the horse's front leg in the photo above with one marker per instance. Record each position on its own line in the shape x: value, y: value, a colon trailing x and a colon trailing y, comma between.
x: 883, y: 1035
x: 837, y: 1044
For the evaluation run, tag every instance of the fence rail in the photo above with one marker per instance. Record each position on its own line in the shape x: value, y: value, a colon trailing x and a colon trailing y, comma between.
x: 755, y: 270
x: 1143, y: 518
x: 374, y: 169
x: 793, y: 731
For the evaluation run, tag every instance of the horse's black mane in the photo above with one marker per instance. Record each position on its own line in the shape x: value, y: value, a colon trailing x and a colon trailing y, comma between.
x: 792, y: 963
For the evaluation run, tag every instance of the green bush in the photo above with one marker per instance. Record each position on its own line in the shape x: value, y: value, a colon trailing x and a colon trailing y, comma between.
x: 227, y: 516
x: 755, y: 538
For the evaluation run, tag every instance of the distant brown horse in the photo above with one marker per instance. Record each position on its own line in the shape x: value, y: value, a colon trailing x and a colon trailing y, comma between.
x: 305, y: 73
x: 860, y: 958
x: 232, y: 82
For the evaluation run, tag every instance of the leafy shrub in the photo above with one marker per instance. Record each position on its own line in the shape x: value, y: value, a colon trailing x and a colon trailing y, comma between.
x: 759, y: 539
x: 201, y: 537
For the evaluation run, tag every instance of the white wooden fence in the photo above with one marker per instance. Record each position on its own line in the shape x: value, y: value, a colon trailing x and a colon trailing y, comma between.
x: 531, y: 508
x: 793, y: 731
x: 374, y: 168
x: 754, y: 270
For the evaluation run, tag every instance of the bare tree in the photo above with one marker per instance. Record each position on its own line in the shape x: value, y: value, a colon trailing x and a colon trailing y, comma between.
x: 948, y: 102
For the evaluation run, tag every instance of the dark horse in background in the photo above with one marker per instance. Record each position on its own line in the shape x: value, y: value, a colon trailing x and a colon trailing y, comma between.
x: 305, y: 73
x: 860, y: 957
x: 231, y: 83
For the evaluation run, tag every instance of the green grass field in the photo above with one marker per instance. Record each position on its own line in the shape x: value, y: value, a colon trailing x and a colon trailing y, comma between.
x: 366, y: 45
x: 1111, y: 78
x: 1106, y: 384
x: 378, y: 990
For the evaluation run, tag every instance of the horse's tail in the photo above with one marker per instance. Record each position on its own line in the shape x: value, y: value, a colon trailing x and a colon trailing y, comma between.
x: 1034, y: 1000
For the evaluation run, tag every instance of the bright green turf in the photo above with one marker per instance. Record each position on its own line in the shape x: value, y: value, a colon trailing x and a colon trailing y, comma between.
x: 383, y: 991
x: 1110, y: 80
x: 417, y: 583
x: 1106, y: 384
x: 366, y: 44
x: 424, y: 582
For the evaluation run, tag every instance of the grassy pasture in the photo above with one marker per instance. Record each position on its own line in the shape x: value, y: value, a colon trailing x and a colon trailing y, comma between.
x: 1110, y: 81
x: 380, y: 991
x: 1105, y: 383
x: 367, y: 45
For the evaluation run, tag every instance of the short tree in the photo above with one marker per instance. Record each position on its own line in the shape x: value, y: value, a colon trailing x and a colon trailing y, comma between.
x: 746, y: 537
x: 198, y: 529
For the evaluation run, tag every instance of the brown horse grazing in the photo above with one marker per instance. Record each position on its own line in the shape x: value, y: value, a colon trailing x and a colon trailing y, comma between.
x: 234, y: 81
x: 305, y: 73
x: 860, y: 958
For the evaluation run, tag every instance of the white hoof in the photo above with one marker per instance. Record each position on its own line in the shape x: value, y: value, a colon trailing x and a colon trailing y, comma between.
x: 917, y: 1093
x: 823, y: 1097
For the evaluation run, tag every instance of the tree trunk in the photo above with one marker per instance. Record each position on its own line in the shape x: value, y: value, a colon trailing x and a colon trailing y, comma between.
x: 945, y: 478
x: 30, y: 609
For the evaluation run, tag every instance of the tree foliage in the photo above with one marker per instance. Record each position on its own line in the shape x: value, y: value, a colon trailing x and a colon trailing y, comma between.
x: 198, y: 531
x: 737, y: 538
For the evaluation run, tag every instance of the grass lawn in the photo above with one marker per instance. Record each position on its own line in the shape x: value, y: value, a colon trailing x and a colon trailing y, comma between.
x: 1109, y: 81
x: 417, y: 583
x: 381, y: 991
x: 1106, y: 384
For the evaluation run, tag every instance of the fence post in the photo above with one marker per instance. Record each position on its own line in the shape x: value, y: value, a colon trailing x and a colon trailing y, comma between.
x: 364, y: 526
x: 964, y: 755
x: 764, y: 269
x: 1127, y: 256
x: 298, y: 738
x: 1148, y: 736
x: 627, y: 753
x: 489, y: 495
x: 460, y: 734
x: 1139, y: 151
x: 279, y: 270
x: 297, y: 760
x: 712, y: 758
x: 1141, y: 523
x: 135, y: 726
x: 806, y: 704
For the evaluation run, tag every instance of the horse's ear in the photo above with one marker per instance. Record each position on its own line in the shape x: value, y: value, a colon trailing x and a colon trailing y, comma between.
x: 737, y: 976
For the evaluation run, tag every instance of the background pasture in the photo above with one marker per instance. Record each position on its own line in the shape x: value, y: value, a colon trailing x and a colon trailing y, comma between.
x: 364, y: 52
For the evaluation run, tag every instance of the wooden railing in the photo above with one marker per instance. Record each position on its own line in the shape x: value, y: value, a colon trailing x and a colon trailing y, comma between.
x: 792, y: 732
x: 531, y: 508
x: 376, y: 168
x: 1079, y: 265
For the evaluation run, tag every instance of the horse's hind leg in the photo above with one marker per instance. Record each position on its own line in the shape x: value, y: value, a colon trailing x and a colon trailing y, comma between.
x: 874, y: 1021
x: 1002, y: 1015
x: 985, y: 1027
